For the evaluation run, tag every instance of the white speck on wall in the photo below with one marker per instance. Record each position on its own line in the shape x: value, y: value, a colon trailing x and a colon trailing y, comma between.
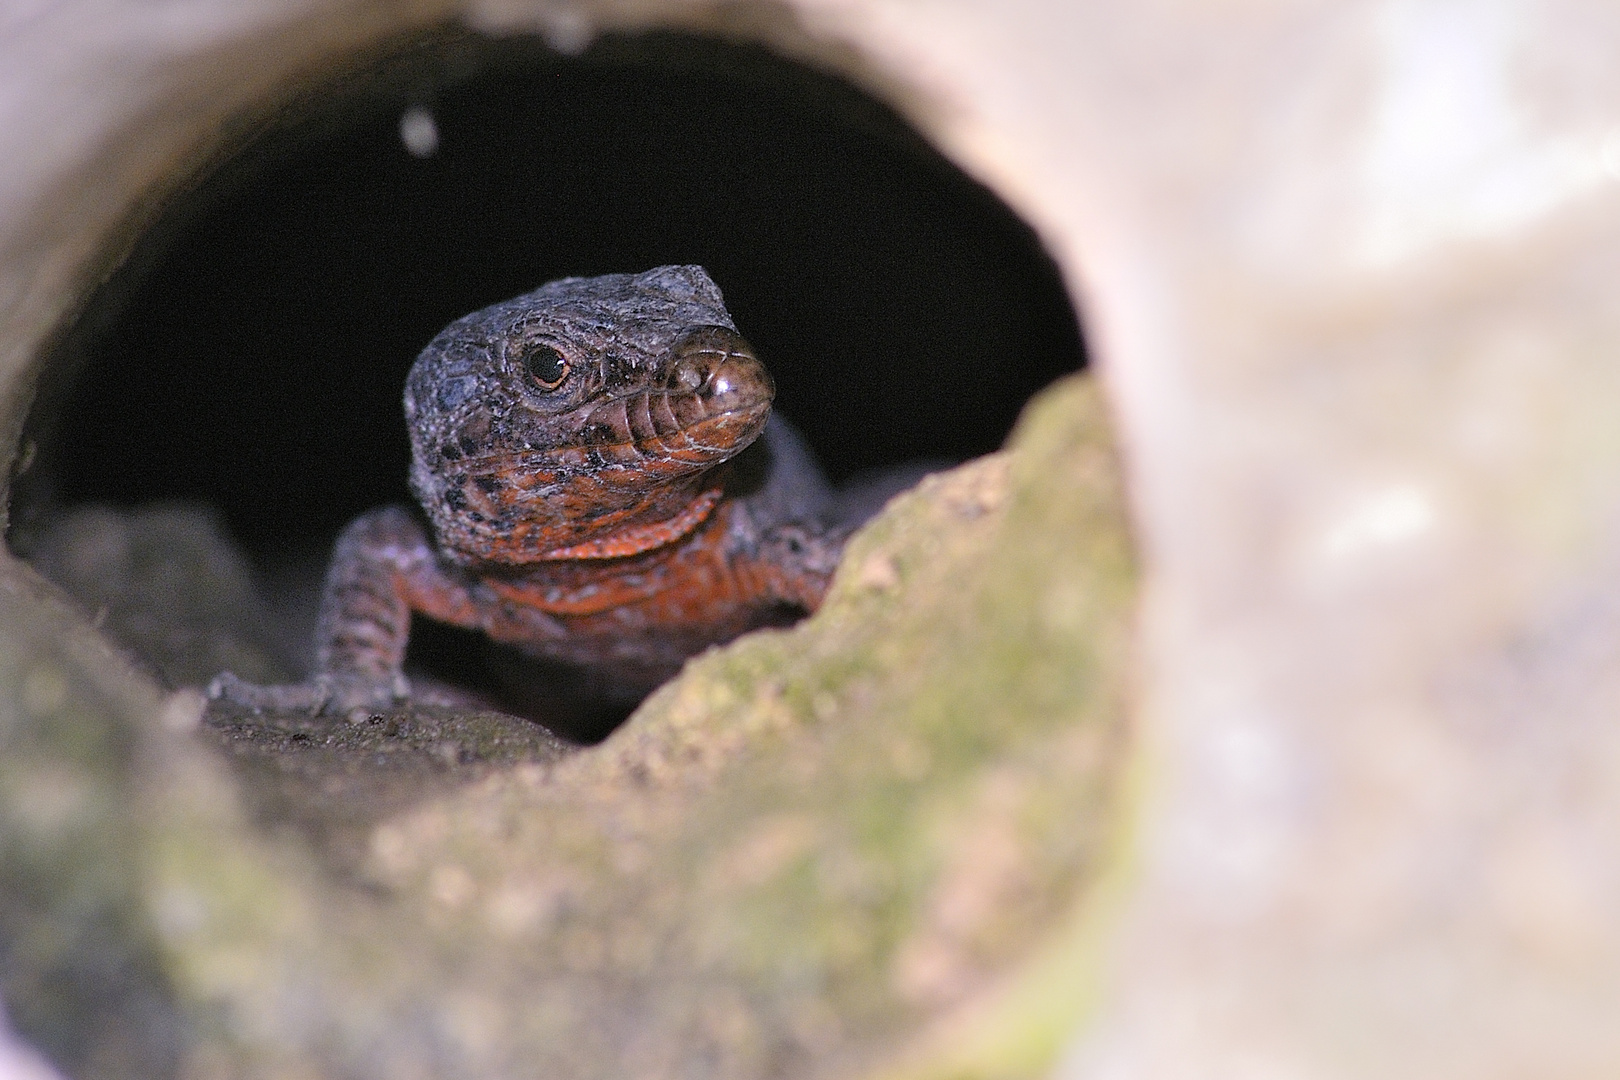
x: 1395, y: 515
x: 419, y: 131
x: 1453, y: 151
x: 568, y: 31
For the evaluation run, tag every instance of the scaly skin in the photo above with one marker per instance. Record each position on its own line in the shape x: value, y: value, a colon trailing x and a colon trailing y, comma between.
x: 579, y: 455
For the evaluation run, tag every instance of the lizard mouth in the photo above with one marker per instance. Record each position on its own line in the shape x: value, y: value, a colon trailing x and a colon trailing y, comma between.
x: 640, y: 433
x: 707, y: 410
x: 713, y: 401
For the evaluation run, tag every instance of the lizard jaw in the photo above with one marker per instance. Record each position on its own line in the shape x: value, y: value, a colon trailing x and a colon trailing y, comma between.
x: 635, y: 539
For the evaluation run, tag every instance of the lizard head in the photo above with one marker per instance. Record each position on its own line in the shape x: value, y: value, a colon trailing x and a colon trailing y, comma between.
x: 582, y: 420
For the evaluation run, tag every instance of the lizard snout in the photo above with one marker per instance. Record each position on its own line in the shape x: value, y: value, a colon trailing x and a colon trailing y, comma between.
x: 717, y: 368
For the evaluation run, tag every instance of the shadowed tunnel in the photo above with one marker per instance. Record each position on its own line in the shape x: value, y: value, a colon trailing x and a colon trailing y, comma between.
x: 250, y: 353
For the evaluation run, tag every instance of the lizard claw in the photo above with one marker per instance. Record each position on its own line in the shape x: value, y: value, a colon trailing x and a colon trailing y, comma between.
x: 329, y: 692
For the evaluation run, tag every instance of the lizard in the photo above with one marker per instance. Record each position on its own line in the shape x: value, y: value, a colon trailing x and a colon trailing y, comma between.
x: 604, y: 484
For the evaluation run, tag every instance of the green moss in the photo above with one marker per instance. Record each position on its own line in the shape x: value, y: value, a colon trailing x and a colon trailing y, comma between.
x: 79, y: 967
x: 796, y: 859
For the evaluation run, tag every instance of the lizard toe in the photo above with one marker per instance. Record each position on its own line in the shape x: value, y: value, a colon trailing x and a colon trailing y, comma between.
x: 329, y: 692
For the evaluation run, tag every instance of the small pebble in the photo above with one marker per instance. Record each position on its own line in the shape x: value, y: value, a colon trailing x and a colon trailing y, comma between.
x: 879, y: 573
x: 182, y: 710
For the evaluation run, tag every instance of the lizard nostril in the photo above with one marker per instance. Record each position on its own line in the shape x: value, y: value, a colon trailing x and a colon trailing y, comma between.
x: 735, y: 381
x: 715, y: 365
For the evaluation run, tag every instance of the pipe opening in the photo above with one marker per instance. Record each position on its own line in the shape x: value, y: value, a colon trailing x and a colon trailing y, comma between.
x: 250, y: 354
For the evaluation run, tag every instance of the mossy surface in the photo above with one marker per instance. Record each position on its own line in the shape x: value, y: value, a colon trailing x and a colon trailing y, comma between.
x: 80, y: 971
x: 789, y: 862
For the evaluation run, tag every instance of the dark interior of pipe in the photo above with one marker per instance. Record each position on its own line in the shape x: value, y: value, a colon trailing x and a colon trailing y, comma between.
x: 250, y: 353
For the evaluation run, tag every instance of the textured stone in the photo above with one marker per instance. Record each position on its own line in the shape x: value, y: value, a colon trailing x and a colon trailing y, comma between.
x: 785, y: 863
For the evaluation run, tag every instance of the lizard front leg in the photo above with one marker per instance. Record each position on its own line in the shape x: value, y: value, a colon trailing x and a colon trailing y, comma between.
x: 795, y: 562
x: 382, y: 567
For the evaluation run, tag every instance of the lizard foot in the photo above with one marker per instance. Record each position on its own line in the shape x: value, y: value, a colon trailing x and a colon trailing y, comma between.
x: 333, y: 693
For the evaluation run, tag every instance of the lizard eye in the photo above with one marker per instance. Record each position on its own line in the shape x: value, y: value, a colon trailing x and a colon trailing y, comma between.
x: 546, y: 366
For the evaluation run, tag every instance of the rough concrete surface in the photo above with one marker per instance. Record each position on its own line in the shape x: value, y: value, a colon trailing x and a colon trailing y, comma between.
x: 1344, y: 267
x: 783, y: 864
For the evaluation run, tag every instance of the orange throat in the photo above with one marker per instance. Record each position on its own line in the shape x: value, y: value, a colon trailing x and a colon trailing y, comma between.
x: 638, y: 538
